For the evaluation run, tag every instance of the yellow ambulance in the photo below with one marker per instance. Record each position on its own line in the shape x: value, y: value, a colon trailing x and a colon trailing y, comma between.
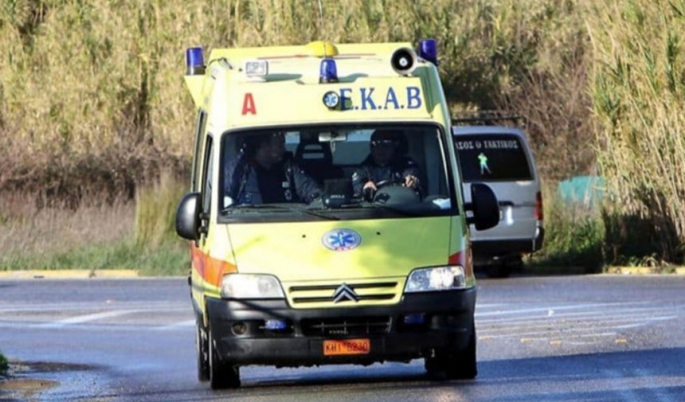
x: 308, y: 248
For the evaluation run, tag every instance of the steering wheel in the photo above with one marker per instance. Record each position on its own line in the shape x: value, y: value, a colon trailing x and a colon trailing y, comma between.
x: 393, y: 191
x: 389, y: 182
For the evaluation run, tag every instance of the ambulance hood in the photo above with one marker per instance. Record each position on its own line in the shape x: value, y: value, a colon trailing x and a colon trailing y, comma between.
x: 322, y: 251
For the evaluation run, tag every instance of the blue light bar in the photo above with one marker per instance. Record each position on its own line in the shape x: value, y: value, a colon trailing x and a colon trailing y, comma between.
x: 328, y: 72
x: 428, y: 50
x: 195, y: 63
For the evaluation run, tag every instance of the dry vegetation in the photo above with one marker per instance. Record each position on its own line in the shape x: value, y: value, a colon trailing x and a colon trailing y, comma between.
x: 37, y: 234
x: 93, y: 107
x: 638, y: 91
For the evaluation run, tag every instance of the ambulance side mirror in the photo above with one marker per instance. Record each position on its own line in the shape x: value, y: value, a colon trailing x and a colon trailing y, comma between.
x: 188, y: 216
x: 484, y: 206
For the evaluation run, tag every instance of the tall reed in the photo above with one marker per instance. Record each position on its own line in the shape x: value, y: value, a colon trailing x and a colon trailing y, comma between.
x: 638, y: 92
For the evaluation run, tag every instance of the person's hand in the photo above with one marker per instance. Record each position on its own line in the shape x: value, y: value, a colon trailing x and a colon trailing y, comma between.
x: 369, y: 185
x: 411, y: 181
x: 369, y: 190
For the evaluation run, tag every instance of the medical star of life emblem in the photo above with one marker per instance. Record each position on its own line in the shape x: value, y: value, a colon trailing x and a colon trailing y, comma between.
x: 341, y: 239
x: 344, y: 292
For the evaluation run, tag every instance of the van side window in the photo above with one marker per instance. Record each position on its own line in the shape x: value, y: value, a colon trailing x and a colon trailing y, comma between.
x: 207, y: 176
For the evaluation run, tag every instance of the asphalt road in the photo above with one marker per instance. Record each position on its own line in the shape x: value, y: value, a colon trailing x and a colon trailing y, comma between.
x: 581, y: 338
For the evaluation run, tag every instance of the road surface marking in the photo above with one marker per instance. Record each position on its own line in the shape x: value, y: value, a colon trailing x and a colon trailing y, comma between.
x: 182, y: 324
x: 85, y: 318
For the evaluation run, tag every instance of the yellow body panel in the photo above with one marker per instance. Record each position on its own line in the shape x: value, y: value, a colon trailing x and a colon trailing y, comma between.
x: 296, y: 253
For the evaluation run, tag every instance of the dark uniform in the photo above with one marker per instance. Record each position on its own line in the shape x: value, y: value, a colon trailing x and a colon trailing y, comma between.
x: 401, y: 167
x: 248, y: 183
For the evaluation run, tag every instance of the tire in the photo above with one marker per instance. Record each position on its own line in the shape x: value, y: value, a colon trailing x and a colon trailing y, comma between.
x: 503, y: 267
x: 202, y: 349
x: 222, y: 374
x: 498, y: 268
x: 454, y: 365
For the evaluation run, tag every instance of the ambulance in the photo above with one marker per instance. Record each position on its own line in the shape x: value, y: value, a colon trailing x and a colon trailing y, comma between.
x: 343, y: 277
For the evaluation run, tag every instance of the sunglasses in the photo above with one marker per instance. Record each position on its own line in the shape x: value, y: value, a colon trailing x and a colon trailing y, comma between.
x: 382, y: 143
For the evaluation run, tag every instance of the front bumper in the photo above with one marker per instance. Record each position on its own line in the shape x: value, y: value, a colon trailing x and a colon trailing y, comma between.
x: 239, y: 328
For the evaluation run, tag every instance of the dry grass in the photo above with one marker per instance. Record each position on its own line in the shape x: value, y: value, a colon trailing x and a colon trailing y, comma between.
x: 92, y: 99
x: 92, y: 93
x: 27, y: 230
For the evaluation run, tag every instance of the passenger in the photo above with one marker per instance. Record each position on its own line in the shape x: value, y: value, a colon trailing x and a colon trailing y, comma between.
x: 264, y: 173
x: 385, y: 164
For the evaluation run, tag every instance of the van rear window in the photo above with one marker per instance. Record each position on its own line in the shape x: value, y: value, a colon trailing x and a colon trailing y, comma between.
x: 492, y: 157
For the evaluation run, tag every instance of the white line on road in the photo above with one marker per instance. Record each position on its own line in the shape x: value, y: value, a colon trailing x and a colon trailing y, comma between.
x: 553, y: 308
x: 85, y: 318
x: 177, y: 325
x: 552, y: 314
x: 613, y: 322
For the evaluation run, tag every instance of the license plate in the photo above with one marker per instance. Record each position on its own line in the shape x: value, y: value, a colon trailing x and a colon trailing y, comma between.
x: 346, y: 347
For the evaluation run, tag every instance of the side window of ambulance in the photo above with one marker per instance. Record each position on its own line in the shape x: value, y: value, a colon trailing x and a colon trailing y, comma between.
x: 199, y: 131
x: 207, y: 176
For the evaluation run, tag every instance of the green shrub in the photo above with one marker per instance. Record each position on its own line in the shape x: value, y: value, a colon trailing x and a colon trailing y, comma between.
x: 574, y: 235
x: 3, y: 364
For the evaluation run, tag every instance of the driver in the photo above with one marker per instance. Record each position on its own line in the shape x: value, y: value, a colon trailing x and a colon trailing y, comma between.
x: 265, y: 173
x: 384, y: 164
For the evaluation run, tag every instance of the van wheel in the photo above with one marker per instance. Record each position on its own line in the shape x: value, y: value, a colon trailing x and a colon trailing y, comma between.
x: 498, y: 269
x: 222, y: 374
x: 202, y: 349
x: 504, y: 266
x: 454, y: 365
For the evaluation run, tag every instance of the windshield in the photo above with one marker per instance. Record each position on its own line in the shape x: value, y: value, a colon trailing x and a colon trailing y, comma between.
x: 337, y: 172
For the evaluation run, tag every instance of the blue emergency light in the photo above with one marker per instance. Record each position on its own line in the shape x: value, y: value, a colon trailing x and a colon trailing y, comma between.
x: 275, y: 325
x: 415, y: 319
x: 428, y: 50
x: 328, y: 72
x: 195, y: 63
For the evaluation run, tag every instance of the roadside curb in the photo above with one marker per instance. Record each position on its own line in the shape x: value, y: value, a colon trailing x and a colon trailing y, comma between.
x: 69, y: 274
x: 645, y: 271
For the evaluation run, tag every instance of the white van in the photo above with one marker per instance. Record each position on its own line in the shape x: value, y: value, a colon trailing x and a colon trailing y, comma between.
x: 501, y: 157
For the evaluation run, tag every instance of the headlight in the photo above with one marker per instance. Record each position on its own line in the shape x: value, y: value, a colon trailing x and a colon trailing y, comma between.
x: 248, y: 286
x: 437, y: 278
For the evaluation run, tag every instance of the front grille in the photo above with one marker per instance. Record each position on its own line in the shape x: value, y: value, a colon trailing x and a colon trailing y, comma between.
x: 346, y: 326
x: 360, y: 293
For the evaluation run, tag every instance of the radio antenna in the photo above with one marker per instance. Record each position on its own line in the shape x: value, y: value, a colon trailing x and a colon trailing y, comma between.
x: 320, y: 15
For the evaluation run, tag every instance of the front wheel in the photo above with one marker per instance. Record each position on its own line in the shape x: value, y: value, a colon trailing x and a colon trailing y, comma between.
x: 455, y: 365
x: 222, y: 374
